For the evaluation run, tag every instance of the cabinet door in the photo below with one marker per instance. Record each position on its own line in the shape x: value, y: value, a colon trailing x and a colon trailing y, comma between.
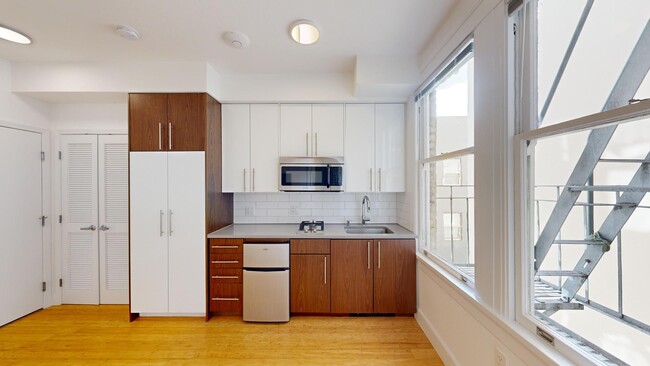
x: 394, y: 277
x: 352, y: 276
x: 359, y: 147
x: 147, y: 122
x: 186, y: 121
x: 327, y: 129
x: 235, y: 127
x: 265, y: 149
x: 389, y: 147
x: 310, y: 283
x: 148, y: 232
x: 295, y: 130
x: 187, y: 236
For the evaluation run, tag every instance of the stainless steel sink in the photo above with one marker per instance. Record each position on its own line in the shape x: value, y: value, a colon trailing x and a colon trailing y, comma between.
x: 368, y: 230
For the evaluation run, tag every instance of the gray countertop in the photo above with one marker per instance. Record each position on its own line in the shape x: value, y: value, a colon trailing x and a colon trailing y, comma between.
x: 290, y: 231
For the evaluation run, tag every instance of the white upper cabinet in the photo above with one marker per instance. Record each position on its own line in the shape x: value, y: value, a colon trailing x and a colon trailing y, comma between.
x: 295, y: 130
x: 374, y: 148
x: 389, y: 147
x: 359, y: 147
x: 265, y: 137
x: 251, y: 134
x: 327, y: 130
x: 235, y: 125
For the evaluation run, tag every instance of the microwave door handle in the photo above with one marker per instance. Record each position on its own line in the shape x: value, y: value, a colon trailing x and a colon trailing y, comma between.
x: 329, y: 176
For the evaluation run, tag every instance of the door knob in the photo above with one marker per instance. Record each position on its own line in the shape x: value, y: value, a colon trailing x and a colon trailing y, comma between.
x: 104, y: 228
x: 91, y: 228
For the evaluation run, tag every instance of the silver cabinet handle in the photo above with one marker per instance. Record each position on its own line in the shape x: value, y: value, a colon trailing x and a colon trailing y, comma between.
x: 325, y: 270
x: 161, y: 220
x: 244, y: 179
x: 225, y: 246
x: 170, y: 136
x: 159, y: 136
x: 91, y: 228
x: 379, y: 180
x: 370, y: 179
x: 225, y: 299
x: 104, y: 228
x: 170, y: 222
x: 225, y: 262
x: 379, y: 254
x: 253, y: 180
x: 226, y: 277
x: 307, y: 144
x: 368, y: 255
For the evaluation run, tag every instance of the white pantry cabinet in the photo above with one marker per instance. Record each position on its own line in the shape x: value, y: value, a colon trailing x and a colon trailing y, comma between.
x: 311, y: 129
x: 250, y: 147
x: 167, y: 213
x: 374, y: 148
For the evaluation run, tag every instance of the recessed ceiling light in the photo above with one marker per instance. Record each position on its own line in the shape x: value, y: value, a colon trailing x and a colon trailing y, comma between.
x: 304, y: 31
x: 236, y: 39
x: 128, y: 32
x: 12, y: 35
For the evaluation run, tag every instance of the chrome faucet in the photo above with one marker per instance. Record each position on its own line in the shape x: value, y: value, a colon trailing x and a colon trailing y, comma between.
x: 365, y: 209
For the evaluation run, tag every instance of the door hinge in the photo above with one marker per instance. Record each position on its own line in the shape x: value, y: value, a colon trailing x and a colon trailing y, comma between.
x: 43, y: 220
x: 60, y: 219
x: 60, y: 155
x: 44, y: 286
x: 514, y: 29
x: 60, y: 282
x: 42, y: 155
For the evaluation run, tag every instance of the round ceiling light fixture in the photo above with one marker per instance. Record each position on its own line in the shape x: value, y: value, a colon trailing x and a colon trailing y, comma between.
x: 304, y: 31
x: 236, y: 39
x: 13, y: 35
x: 127, y: 32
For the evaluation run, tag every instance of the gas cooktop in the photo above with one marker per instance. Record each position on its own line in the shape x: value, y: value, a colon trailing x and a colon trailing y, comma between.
x: 312, y: 226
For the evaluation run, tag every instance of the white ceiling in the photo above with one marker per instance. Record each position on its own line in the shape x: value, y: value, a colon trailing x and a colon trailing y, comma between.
x: 191, y: 30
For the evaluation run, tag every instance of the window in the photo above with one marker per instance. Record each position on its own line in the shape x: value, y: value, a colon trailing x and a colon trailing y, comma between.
x: 584, y: 204
x: 446, y: 127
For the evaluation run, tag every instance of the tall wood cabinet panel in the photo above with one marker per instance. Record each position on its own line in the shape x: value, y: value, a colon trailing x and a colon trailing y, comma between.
x: 394, y: 276
x: 147, y: 122
x: 352, y: 276
x: 186, y: 121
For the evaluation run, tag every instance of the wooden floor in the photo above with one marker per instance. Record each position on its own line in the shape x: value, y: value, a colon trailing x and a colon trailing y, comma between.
x: 88, y: 335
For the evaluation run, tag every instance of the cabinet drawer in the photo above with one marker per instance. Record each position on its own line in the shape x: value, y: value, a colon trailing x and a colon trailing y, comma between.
x: 226, y: 298
x: 226, y: 245
x: 225, y: 275
x: 310, y: 246
x: 226, y: 260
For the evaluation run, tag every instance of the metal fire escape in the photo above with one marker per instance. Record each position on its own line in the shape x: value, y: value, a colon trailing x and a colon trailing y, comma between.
x: 551, y: 297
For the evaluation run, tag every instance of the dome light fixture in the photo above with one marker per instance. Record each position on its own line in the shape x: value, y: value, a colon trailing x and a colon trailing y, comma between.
x: 13, y: 35
x: 127, y: 32
x: 304, y: 32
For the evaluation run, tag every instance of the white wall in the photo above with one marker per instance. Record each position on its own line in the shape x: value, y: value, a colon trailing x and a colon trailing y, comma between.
x: 17, y: 109
x: 106, y: 117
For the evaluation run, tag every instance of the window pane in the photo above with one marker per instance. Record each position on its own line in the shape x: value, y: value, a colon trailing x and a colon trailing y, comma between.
x: 590, y: 272
x: 603, y: 47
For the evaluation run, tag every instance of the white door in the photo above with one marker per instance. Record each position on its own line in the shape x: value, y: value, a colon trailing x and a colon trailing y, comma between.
x: 359, y: 147
x: 113, y: 219
x: 327, y: 127
x: 389, y: 147
x: 235, y: 126
x: 295, y: 130
x: 186, y: 230
x: 265, y: 149
x: 21, y: 241
x: 148, y: 215
x: 79, y: 199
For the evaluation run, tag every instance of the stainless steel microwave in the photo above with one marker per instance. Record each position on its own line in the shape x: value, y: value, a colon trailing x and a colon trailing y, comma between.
x: 310, y: 174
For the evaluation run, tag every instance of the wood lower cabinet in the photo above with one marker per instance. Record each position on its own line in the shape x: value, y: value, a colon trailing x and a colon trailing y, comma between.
x: 226, y: 290
x: 352, y: 276
x: 394, y: 276
x: 373, y: 276
x: 167, y: 122
x: 310, y: 276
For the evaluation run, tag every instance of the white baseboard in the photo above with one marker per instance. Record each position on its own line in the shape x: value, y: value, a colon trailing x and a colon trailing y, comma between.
x: 436, y: 341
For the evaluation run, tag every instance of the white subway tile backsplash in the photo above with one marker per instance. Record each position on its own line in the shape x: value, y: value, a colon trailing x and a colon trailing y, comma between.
x: 333, y: 208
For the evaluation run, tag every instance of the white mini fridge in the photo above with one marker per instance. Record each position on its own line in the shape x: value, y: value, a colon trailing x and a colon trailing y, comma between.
x: 266, y: 282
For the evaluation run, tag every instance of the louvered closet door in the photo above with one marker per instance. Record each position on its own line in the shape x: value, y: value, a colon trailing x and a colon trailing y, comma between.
x: 80, y: 221
x: 113, y: 219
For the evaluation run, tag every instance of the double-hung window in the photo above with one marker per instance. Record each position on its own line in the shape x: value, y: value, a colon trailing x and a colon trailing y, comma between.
x: 446, y: 163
